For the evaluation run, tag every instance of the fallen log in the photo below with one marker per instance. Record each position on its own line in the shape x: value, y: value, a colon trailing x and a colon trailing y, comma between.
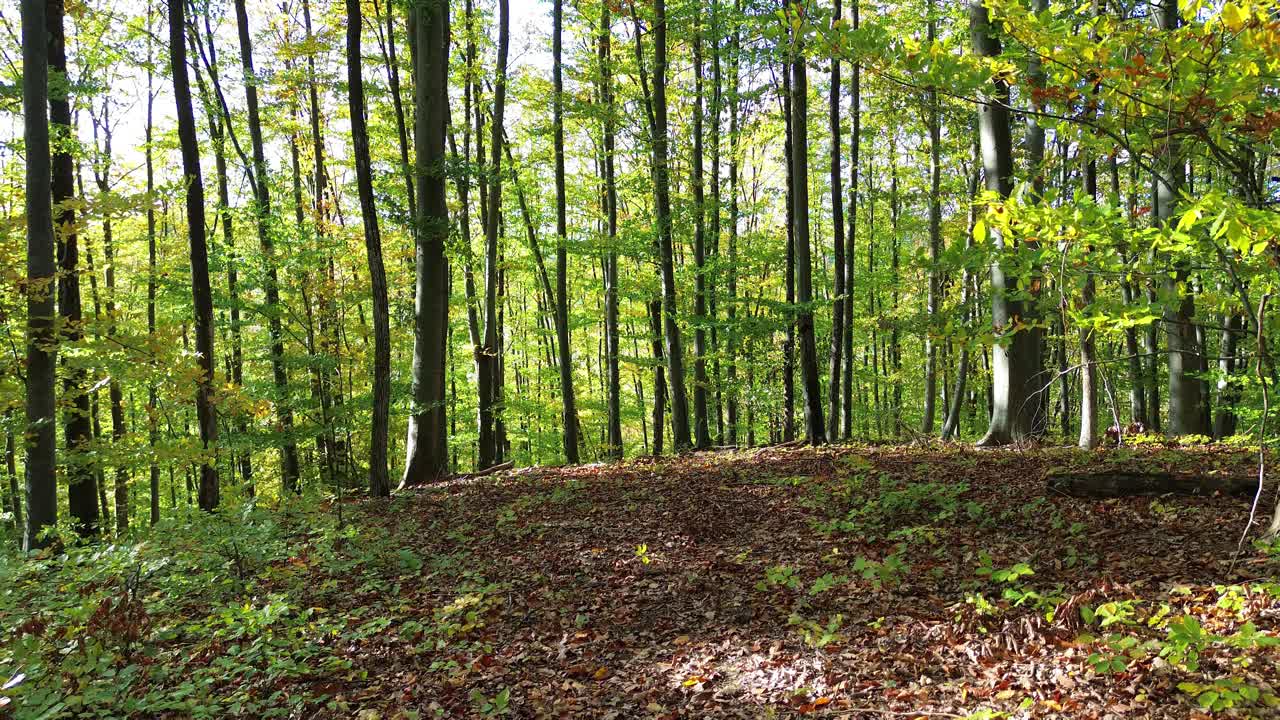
x: 1133, y: 484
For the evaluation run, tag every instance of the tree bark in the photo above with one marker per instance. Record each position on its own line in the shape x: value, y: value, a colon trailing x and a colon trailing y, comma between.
x: 814, y: 427
x: 569, y: 406
x: 430, y: 22
x: 488, y: 376
x: 701, y: 434
x: 379, y: 480
x: 82, y: 491
x: 201, y: 292
x: 42, y: 339
x: 662, y: 205
x: 289, y: 469
x: 613, y: 435
x: 839, y: 266
x: 1016, y: 353
x: 933, y: 303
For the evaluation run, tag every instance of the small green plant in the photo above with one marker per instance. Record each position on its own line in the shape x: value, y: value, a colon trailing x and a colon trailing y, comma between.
x: 779, y: 576
x: 818, y: 635
x: 1228, y: 693
x: 642, y: 552
x: 827, y: 582
x: 491, y: 706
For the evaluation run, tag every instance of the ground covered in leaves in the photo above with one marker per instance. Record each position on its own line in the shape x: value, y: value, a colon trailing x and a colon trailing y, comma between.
x: 853, y: 582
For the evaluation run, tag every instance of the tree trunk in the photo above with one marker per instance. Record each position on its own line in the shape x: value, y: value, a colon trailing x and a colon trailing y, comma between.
x: 569, y: 407
x: 430, y: 24
x: 1016, y: 354
x: 42, y: 338
x: 613, y: 435
x: 153, y: 396
x: 701, y: 434
x: 201, y: 292
x: 839, y: 265
x: 934, y: 300
x: 731, y: 341
x: 289, y: 469
x: 855, y: 146
x: 814, y: 427
x: 1185, y: 398
x: 488, y: 376
x: 662, y: 205
x: 82, y: 492
x: 379, y: 480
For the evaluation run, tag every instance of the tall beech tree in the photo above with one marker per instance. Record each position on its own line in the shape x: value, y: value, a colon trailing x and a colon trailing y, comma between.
x: 674, y: 348
x: 379, y: 482
x: 1015, y: 356
x: 82, y: 481
x: 564, y: 357
x: 430, y: 23
x: 814, y: 428
x: 42, y: 339
x: 201, y: 292
x: 289, y: 468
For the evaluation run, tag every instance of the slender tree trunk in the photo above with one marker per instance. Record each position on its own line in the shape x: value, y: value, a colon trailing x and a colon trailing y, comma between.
x: 489, y: 353
x: 289, y: 469
x: 430, y: 23
x: 662, y: 205
x: 202, y: 295
x: 569, y: 415
x: 814, y: 427
x: 731, y: 342
x: 42, y: 338
x: 379, y: 480
x: 855, y: 142
x: 11, y: 464
x: 1226, y: 421
x: 1088, y: 350
x: 613, y: 435
x: 839, y: 264
x: 789, y: 343
x: 934, y: 300
x: 951, y: 427
x: 153, y: 396
x: 114, y: 392
x: 701, y: 434
x: 82, y: 489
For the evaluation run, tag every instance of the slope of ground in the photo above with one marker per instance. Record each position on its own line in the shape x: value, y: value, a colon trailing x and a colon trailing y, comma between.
x: 842, y: 582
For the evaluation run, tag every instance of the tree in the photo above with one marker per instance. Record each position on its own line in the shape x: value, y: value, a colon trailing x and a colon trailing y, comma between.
x: 379, y: 483
x: 934, y: 298
x: 488, y: 363
x: 564, y: 357
x: 289, y: 469
x: 42, y: 339
x: 701, y: 434
x: 1186, y: 415
x: 201, y: 293
x: 430, y: 23
x: 1014, y: 357
x: 82, y: 481
x: 814, y: 428
x: 674, y: 350
x: 614, y: 441
x: 839, y: 264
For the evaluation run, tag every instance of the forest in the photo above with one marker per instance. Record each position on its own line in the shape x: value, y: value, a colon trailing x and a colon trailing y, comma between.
x: 639, y: 358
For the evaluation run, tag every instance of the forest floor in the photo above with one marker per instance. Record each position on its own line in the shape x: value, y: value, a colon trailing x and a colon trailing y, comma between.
x: 851, y: 582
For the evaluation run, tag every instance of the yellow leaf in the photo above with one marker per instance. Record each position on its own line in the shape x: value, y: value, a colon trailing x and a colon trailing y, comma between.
x: 979, y: 230
x: 1234, y: 16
